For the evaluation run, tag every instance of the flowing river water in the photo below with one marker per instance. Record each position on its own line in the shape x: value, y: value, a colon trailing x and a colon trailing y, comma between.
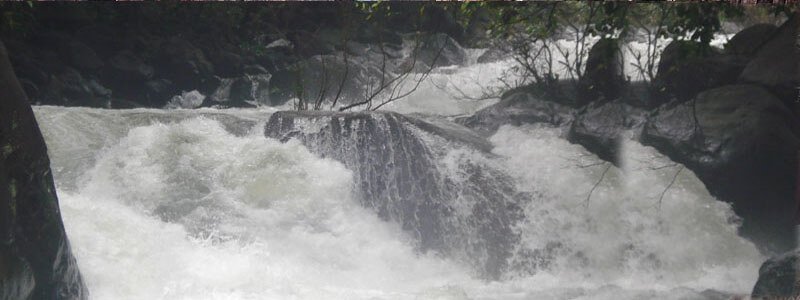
x: 199, y: 204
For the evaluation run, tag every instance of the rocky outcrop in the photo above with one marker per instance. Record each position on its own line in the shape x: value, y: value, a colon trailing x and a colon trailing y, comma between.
x: 398, y: 174
x: 496, y: 52
x: 599, y: 127
x: 742, y: 142
x: 603, y: 78
x: 775, y: 65
x: 249, y: 90
x: 35, y: 257
x: 519, y: 108
x: 440, y: 50
x: 687, y: 68
x: 778, y: 277
x: 750, y: 39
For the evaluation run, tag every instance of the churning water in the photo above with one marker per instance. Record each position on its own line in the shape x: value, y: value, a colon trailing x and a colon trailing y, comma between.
x: 199, y: 204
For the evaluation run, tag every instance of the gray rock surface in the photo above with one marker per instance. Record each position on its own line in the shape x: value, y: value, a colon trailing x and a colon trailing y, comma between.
x: 778, y: 277
x: 36, y: 261
x: 742, y: 142
x: 396, y: 161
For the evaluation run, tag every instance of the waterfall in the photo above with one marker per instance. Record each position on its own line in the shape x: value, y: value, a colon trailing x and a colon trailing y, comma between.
x: 200, y: 204
x: 403, y: 204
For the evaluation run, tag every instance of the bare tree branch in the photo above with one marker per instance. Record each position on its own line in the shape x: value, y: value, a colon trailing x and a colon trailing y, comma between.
x: 671, y: 182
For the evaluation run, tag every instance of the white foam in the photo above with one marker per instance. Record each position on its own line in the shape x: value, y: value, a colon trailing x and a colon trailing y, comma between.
x: 187, y: 210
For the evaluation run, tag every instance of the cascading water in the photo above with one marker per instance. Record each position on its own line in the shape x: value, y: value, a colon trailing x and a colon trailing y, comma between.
x: 199, y: 204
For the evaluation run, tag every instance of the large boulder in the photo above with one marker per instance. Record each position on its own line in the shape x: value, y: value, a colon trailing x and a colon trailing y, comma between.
x: 436, y: 18
x: 439, y: 50
x: 83, y: 57
x: 687, y: 68
x: 125, y: 74
x: 519, y: 108
x: 775, y: 65
x: 185, y: 65
x: 778, y: 277
x: 248, y: 90
x: 36, y: 261
x: 326, y: 76
x: 397, y: 164
x: 742, y: 142
x: 603, y: 77
x: 496, y: 52
x: 69, y: 88
x: 599, y: 127
x: 750, y: 39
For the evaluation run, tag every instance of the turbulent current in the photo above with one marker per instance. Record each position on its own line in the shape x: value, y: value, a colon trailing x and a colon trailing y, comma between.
x: 204, y: 204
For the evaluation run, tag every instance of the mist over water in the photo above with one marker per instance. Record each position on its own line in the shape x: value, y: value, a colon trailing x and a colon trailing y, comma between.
x: 199, y: 204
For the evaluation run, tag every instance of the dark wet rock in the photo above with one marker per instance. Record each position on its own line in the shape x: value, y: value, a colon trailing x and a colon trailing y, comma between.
x: 31, y: 90
x: 778, y: 277
x: 102, y: 39
x: 396, y: 163
x: 742, y: 142
x: 775, y: 64
x: 518, y: 109
x: 441, y: 50
x: 227, y: 63
x: 710, y: 294
x: 158, y: 91
x: 307, y: 44
x: 69, y: 88
x: 251, y: 89
x: 126, y: 75
x: 83, y: 57
x: 687, y: 68
x: 184, y: 64
x: 475, y: 33
x: 27, y: 65
x: 35, y: 256
x: 248, y: 90
x: 324, y: 75
x: 603, y: 77
x: 435, y: 18
x: 126, y: 66
x: 599, y: 128
x: 750, y: 39
x: 496, y: 52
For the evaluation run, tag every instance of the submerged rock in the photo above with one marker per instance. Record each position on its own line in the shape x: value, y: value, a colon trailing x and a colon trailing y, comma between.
x: 35, y: 257
x: 778, y: 277
x: 400, y: 173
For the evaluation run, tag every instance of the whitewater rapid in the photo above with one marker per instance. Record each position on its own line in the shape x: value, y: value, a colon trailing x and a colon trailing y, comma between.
x: 200, y: 205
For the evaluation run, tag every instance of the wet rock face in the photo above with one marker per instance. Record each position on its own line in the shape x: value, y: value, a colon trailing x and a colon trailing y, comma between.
x: 518, y: 109
x: 688, y: 68
x: 603, y: 78
x: 742, y: 142
x: 747, y: 41
x: 778, y: 277
x: 399, y: 175
x: 451, y: 52
x: 775, y: 63
x: 35, y: 257
x: 599, y: 128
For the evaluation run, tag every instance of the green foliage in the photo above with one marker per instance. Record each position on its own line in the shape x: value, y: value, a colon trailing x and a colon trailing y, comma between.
x: 691, y: 21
